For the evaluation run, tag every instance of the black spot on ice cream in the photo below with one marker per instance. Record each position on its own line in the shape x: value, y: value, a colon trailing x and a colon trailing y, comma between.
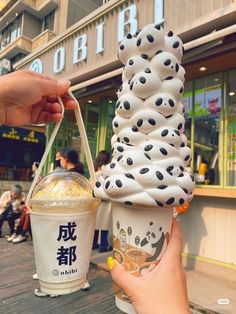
x: 162, y: 187
x: 159, y: 175
x: 143, y: 170
x: 170, y: 201
x: 112, y: 165
x: 129, y: 36
x: 176, y: 44
x: 126, y: 139
x: 116, y: 124
x: 150, y: 38
x: 170, y: 34
x: 98, y: 184
x: 147, y: 156
x: 158, y: 102
x: 131, y: 62
x: 187, y: 158
x: 134, y: 129
x: 163, y: 151
x: 148, y: 147
x: 120, y: 149
x: 139, y: 122
x: 129, y: 175
x: 128, y: 203
x: 167, y: 62
x: 119, y: 183
x: 158, y: 27
x: 142, y: 80
x: 171, y: 103
x: 129, y: 161
x: 122, y: 47
x: 120, y: 157
x: 159, y: 204
x: 164, y: 133
x: 126, y: 105
x: 107, y: 185
x: 181, y: 201
x: 152, y: 121
x: 147, y: 70
x: 138, y: 42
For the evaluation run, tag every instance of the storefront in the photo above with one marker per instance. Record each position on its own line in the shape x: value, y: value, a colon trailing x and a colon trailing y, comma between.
x: 87, y: 55
x: 19, y: 148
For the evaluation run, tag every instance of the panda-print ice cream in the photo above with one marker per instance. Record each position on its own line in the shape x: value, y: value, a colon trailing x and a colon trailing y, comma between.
x: 150, y: 40
x: 174, y: 45
x: 150, y: 152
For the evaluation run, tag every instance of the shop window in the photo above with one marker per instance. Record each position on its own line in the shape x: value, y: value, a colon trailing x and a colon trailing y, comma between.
x: 206, y: 114
x: 48, y: 22
x: 231, y: 130
x: 188, y: 104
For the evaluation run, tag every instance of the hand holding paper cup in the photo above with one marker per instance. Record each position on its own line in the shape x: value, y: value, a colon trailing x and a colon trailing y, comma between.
x: 63, y: 214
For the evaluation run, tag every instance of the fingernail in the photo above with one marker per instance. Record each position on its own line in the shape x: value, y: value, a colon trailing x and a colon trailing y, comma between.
x: 110, y: 262
x: 65, y: 83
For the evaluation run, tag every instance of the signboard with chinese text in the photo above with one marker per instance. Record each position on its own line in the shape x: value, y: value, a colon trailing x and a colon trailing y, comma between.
x: 19, y: 134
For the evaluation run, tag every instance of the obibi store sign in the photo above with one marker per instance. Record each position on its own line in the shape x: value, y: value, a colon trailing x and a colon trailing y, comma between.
x: 126, y: 18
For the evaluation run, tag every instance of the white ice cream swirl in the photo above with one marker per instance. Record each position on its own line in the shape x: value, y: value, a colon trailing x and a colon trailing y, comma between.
x: 150, y: 153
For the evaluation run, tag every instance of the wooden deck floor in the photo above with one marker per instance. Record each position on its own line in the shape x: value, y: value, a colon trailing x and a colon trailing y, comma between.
x: 17, y: 287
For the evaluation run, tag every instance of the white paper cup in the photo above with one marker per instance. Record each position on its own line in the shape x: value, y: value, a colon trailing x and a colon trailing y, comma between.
x: 63, y: 230
x: 62, y: 246
x: 140, y: 236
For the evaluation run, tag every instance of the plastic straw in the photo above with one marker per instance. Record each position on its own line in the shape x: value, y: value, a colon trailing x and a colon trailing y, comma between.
x: 84, y: 139
x: 46, y: 152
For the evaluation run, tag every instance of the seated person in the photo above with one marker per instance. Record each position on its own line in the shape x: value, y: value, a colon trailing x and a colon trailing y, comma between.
x: 11, y: 207
x: 22, y: 228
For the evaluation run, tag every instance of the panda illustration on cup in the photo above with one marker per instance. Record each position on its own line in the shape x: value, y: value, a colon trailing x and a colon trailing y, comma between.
x: 157, y: 239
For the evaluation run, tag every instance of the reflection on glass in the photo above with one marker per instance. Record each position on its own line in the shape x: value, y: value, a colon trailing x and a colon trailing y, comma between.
x: 231, y: 137
x: 206, y: 112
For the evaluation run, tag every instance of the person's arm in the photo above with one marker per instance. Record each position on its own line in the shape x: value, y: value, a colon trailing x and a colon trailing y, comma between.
x: 27, y: 97
x: 164, y: 289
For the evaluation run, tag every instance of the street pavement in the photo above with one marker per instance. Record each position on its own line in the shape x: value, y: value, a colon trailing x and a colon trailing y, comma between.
x: 17, y: 288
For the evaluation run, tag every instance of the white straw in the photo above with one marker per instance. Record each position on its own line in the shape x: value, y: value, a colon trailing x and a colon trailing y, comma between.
x: 84, y: 139
x: 48, y: 147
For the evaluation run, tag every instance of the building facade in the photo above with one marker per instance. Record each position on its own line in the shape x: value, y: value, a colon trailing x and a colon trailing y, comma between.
x: 86, y: 53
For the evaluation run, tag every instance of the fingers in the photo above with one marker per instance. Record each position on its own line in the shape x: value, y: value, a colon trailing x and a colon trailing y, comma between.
x: 47, y: 117
x: 120, y: 277
x: 174, y: 248
x: 48, y: 87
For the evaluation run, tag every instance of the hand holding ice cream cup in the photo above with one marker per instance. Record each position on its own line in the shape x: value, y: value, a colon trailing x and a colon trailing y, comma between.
x: 146, y: 178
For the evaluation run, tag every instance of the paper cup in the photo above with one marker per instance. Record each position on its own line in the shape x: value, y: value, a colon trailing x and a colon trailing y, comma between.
x: 140, y: 236
x: 63, y: 231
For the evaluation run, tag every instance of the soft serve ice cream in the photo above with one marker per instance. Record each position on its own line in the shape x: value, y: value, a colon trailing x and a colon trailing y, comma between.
x: 150, y: 152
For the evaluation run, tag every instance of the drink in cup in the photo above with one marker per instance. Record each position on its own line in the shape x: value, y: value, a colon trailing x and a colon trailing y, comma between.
x: 63, y: 221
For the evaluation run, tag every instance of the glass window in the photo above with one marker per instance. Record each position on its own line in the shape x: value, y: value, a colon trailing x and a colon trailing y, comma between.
x: 231, y: 129
x: 207, y: 113
x: 11, y: 32
x: 48, y: 22
x: 187, y: 101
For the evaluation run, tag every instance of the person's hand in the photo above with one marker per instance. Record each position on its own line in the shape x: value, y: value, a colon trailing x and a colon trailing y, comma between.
x: 27, y: 97
x: 164, y: 289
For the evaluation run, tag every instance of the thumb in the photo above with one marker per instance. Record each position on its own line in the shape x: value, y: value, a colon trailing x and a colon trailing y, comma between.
x: 50, y: 87
x: 121, y: 277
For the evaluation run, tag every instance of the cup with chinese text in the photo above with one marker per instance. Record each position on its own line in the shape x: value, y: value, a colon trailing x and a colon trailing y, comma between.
x: 63, y: 220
